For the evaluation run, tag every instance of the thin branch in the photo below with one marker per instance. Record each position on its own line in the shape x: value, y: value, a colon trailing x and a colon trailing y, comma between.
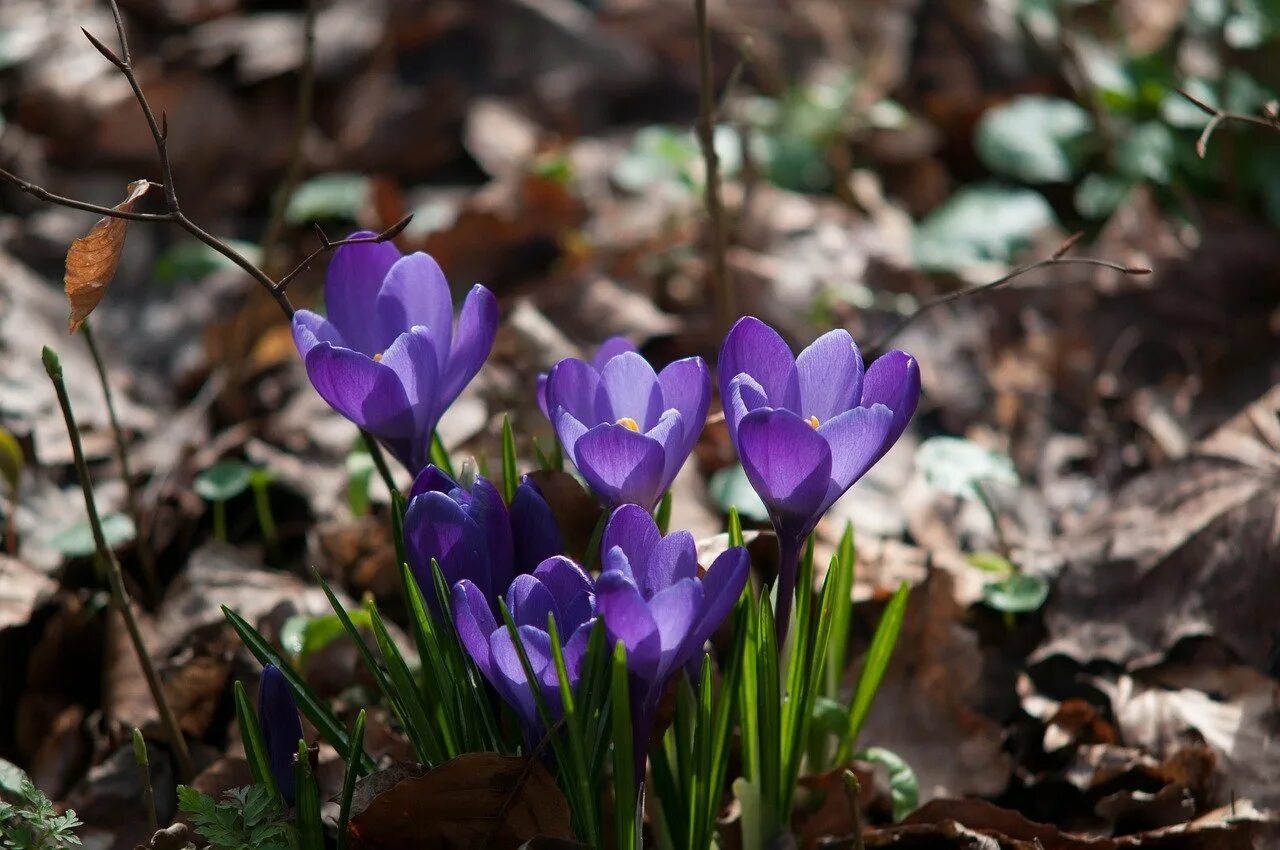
x: 49, y: 197
x: 327, y: 245
x: 119, y: 593
x: 296, y: 160
x: 146, y: 556
x: 1054, y: 259
x: 723, y: 295
x: 1218, y: 117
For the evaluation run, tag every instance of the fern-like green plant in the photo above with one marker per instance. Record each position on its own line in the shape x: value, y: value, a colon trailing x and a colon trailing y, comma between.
x: 247, y: 820
x: 34, y: 824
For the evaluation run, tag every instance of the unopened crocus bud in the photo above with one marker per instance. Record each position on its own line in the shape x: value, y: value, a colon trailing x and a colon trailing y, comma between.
x: 281, y: 728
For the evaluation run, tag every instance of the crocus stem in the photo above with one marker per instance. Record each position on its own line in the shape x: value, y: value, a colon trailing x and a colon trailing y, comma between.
x: 146, y: 557
x: 220, y: 521
x: 790, y: 548
x: 379, y: 460
x: 119, y: 593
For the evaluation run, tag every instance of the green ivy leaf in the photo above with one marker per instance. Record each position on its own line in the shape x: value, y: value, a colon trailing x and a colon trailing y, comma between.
x: 225, y: 480
x: 978, y: 224
x: 957, y: 466
x: 1017, y: 594
x: 1034, y: 138
x: 1147, y: 152
x: 729, y: 488
x: 77, y: 541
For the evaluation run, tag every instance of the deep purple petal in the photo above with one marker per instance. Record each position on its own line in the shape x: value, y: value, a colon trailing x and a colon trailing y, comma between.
x: 627, y: 618
x: 894, y: 381
x: 857, y: 439
x: 686, y: 387
x: 490, y: 513
x: 311, y: 328
x: 474, y: 620
x: 571, y: 384
x: 568, y: 430
x: 575, y: 649
x: 609, y: 349
x: 830, y: 376
x: 435, y: 526
x: 413, y: 360
x: 616, y: 560
x: 572, y: 590
x: 673, y: 559
x: 509, y: 677
x: 472, y: 342
x: 632, y: 529
x: 535, y: 536
x: 430, y: 479
x: 745, y: 395
x: 530, y: 602
x: 755, y: 349
x: 366, y: 392
x: 787, y: 462
x: 415, y: 292
x: 281, y: 728
x: 675, y: 611
x: 721, y: 588
x: 628, y: 388
x: 542, y: 395
x: 620, y: 465
x: 669, y: 433
x: 351, y: 289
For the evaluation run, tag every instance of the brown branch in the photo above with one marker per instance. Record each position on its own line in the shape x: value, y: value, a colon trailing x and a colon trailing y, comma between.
x: 1057, y: 258
x: 1218, y: 117
x: 326, y: 245
x: 723, y: 295
x: 45, y: 195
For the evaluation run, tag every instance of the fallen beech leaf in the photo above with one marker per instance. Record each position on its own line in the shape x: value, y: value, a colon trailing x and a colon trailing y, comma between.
x: 92, y: 259
x: 475, y: 800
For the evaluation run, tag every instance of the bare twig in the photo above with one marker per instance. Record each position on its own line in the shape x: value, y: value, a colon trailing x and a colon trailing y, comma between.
x: 723, y: 294
x: 1218, y: 117
x: 301, y: 120
x: 119, y: 593
x: 326, y: 245
x: 146, y: 556
x: 41, y: 194
x: 1057, y: 258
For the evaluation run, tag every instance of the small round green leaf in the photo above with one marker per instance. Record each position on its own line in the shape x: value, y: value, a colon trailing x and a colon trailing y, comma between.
x: 1017, y: 594
x: 225, y: 480
x: 337, y: 196
x: 729, y: 488
x: 980, y: 224
x: 77, y: 541
x: 1034, y: 138
x: 956, y: 466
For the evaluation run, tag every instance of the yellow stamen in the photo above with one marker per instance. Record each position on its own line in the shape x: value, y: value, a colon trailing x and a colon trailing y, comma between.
x: 628, y: 422
x: 813, y: 422
x: 377, y: 358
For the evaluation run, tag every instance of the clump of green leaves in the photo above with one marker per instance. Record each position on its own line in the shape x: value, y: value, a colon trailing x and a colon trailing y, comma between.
x: 247, y: 819
x: 34, y: 824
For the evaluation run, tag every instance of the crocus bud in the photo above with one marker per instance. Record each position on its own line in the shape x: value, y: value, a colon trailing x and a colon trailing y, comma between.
x: 281, y: 728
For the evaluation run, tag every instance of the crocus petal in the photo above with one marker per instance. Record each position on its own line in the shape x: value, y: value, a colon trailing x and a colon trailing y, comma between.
x: 755, y: 349
x: 830, y: 375
x: 671, y: 560
x: 431, y: 479
x: 435, y: 526
x: 575, y: 648
x: 894, y: 381
x: 366, y: 392
x: 669, y: 433
x: 675, y: 611
x: 311, y: 328
x: 530, y: 602
x: 542, y: 395
x: 571, y: 385
x: 474, y: 620
x: 721, y: 588
x: 535, y: 536
x: 572, y: 589
x: 616, y: 560
x: 568, y: 430
x: 415, y: 292
x: 351, y: 291
x: 620, y: 465
x: 609, y: 349
x: 281, y: 728
x: 509, y: 676
x: 745, y: 395
x: 413, y: 359
x: 627, y: 618
x: 472, y: 342
x: 628, y: 388
x: 857, y: 438
x: 632, y: 529
x: 686, y: 387
x: 787, y: 462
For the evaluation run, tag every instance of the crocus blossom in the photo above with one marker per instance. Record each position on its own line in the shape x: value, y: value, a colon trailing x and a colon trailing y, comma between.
x: 807, y: 427
x: 473, y: 535
x: 651, y: 598
x: 557, y: 586
x: 388, y: 356
x: 627, y: 429
x: 281, y: 728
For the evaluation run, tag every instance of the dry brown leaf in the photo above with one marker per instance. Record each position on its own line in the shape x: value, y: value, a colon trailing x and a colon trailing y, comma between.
x: 475, y: 800
x: 92, y: 259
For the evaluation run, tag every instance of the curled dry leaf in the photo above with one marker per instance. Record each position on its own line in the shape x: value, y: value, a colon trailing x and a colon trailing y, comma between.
x: 92, y: 259
x: 475, y: 800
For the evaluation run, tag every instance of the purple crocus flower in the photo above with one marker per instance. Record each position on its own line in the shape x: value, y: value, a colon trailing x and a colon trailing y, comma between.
x: 558, y: 586
x: 651, y: 598
x: 281, y: 728
x: 806, y: 428
x: 473, y: 535
x: 627, y: 429
x: 388, y: 357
